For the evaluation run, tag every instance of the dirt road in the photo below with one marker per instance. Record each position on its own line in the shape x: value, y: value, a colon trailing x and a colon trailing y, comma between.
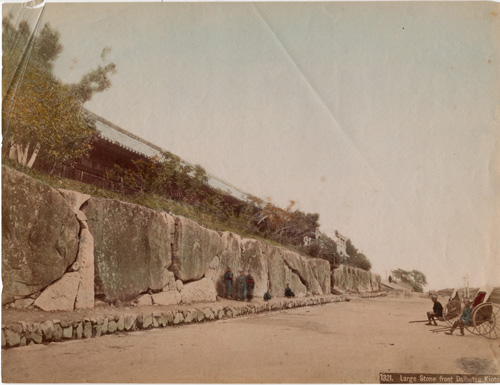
x: 346, y: 342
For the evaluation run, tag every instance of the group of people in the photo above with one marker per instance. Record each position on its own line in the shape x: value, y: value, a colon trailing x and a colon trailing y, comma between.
x: 244, y: 286
x: 437, y: 312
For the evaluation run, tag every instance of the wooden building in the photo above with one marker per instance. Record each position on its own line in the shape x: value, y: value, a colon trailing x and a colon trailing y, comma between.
x: 115, y: 146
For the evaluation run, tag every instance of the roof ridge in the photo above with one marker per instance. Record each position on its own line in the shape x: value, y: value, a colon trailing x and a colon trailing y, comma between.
x: 157, y: 148
x: 125, y: 132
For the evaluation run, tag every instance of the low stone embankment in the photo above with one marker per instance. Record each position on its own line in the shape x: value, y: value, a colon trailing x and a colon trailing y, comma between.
x: 74, y: 326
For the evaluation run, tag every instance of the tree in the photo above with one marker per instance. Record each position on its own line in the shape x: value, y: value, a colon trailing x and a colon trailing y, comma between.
x: 361, y: 261
x: 350, y: 249
x: 355, y: 258
x: 283, y: 225
x: 166, y: 175
x: 55, y: 122
x: 416, y: 279
x: 41, y: 115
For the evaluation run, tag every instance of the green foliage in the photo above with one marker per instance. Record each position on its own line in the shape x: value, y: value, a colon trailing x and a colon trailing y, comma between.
x: 41, y: 114
x: 169, y: 176
x: 96, y: 80
x: 355, y: 258
x: 287, y: 225
x: 416, y: 279
x: 325, y: 248
x: 360, y: 260
x: 350, y: 249
x: 166, y: 175
x: 313, y: 250
x: 419, y: 277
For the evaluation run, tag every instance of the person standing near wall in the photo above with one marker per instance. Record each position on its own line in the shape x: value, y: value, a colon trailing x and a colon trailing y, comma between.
x: 242, y: 286
x: 228, y: 282
x: 250, y: 286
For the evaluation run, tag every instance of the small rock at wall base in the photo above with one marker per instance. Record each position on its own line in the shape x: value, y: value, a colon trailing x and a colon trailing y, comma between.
x: 208, y: 314
x: 35, y: 337
x: 47, y: 330
x: 147, y: 321
x: 97, y: 330
x: 167, y: 298
x: 99, y: 303
x: 87, y: 329
x: 112, y: 326
x: 105, y: 325
x: 78, y: 330
x: 58, y: 332
x: 120, y: 324
x: 178, y: 318
x: 12, y: 338
x: 68, y: 332
x: 129, y: 321
x: 144, y: 300
x: 22, y: 303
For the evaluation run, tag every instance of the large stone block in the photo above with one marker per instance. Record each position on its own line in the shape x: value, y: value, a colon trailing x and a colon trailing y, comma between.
x: 85, y: 261
x: 194, y: 248
x: 298, y: 288
x: 230, y: 256
x: 277, y: 271
x: 39, y: 235
x: 199, y: 291
x: 376, y: 282
x: 61, y: 294
x: 321, y: 271
x: 132, y: 248
x: 300, y: 266
x: 253, y: 259
x: 352, y: 278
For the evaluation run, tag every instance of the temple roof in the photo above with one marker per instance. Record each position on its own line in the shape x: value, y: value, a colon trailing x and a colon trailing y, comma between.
x: 120, y: 137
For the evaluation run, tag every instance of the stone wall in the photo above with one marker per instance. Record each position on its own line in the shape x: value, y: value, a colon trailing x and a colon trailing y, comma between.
x: 354, y: 279
x: 63, y: 250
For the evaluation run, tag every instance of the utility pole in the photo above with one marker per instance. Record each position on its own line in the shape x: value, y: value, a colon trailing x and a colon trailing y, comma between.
x: 466, y: 286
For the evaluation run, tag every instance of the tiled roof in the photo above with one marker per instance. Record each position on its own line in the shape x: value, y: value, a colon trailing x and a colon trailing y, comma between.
x: 117, y: 135
x: 123, y: 140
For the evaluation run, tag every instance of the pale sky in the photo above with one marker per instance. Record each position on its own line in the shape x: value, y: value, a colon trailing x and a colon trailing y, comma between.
x: 383, y: 118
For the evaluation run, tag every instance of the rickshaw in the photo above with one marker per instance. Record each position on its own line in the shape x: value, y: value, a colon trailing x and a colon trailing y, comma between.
x: 485, y: 312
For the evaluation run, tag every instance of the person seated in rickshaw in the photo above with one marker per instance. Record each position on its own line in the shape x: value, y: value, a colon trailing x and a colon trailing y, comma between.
x: 465, y: 319
x: 437, y: 311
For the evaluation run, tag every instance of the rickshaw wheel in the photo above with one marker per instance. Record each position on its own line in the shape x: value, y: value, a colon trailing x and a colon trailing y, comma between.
x: 485, y: 320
